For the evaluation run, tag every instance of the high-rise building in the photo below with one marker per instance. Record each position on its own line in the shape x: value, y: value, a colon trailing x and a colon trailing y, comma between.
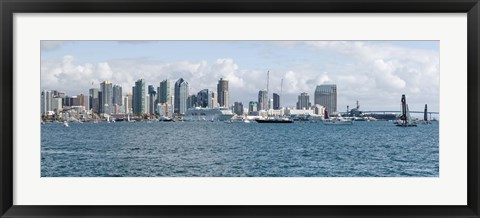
x: 238, y: 108
x: 57, y: 105
x: 276, y: 101
x: 100, y: 102
x: 262, y: 100
x: 125, y: 105
x: 204, y: 99
x: 152, y: 99
x: 117, y: 95
x: 252, y: 107
x: 191, y: 101
x: 92, y: 94
x: 82, y: 100
x: 106, y: 87
x: 326, y: 95
x: 129, y: 102
x: 214, y: 100
x: 46, y: 102
x: 223, y: 95
x: 164, y: 92
x: 139, y: 101
x: 303, y: 101
x: 181, y: 95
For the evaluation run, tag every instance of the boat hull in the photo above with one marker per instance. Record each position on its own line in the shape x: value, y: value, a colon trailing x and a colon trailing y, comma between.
x: 274, y: 121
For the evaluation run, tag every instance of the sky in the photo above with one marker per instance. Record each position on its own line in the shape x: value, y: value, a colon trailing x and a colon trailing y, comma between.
x: 376, y: 73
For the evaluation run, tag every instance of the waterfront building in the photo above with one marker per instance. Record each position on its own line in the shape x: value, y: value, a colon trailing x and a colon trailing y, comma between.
x: 252, y: 108
x: 129, y: 102
x: 222, y: 92
x: 68, y: 100
x: 191, y: 101
x: 58, y: 94
x: 100, y: 102
x: 262, y: 100
x: 81, y: 100
x: 164, y: 92
x: 147, y: 103
x: 238, y: 108
x: 152, y: 99
x: 138, y: 98
x: 164, y: 109
x: 204, y: 99
x: 106, y: 87
x: 46, y: 102
x: 126, y: 106
x: 117, y: 95
x: 92, y: 94
x: 214, y: 100
x: 326, y: 95
x: 276, y: 101
x: 181, y: 96
x: 57, y: 105
x: 318, y: 109
x: 303, y: 101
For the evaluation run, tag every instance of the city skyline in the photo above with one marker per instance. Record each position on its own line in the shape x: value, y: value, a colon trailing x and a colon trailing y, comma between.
x: 375, y: 73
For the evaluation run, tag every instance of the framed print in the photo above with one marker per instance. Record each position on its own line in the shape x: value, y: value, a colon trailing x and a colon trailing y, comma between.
x: 239, y: 109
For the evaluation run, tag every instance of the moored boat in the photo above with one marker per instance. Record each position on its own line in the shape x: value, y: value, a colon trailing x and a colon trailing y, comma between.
x: 274, y: 120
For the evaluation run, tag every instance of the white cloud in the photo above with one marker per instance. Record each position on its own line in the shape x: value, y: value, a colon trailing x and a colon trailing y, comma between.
x: 375, y: 74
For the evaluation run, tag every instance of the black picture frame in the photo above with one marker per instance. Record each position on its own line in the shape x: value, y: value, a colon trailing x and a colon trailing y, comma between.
x: 9, y: 7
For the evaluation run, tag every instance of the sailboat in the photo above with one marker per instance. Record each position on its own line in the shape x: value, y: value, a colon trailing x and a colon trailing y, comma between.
x: 405, y: 118
x: 425, y: 117
x: 338, y: 120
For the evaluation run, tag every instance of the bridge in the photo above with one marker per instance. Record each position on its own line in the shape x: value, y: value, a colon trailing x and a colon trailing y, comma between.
x: 398, y: 112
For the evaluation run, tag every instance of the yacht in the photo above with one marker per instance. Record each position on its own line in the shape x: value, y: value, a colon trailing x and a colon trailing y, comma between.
x: 208, y: 114
x: 274, y: 120
x: 337, y: 120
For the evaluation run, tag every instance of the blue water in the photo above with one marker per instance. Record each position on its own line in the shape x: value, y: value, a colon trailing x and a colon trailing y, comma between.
x: 217, y: 149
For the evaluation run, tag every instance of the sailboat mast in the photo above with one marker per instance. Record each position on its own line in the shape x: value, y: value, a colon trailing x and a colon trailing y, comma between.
x: 425, y: 118
x: 404, y: 110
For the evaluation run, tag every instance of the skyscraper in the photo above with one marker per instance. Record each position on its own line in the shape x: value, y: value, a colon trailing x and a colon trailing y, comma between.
x: 164, y: 92
x: 46, y: 102
x: 262, y: 100
x: 117, y: 95
x: 204, y: 99
x: 152, y: 97
x: 92, y: 94
x: 129, y: 103
x: 252, y: 107
x: 303, y: 101
x: 106, y: 87
x: 139, y: 101
x: 191, y: 101
x: 238, y: 108
x: 181, y: 95
x: 276, y: 101
x: 223, y: 95
x: 326, y: 95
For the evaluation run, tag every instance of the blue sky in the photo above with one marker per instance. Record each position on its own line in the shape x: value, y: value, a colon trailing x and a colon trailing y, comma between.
x: 376, y: 73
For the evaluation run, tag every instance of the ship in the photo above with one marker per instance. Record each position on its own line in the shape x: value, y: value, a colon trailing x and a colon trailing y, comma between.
x: 208, y: 114
x: 338, y: 120
x: 274, y: 120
